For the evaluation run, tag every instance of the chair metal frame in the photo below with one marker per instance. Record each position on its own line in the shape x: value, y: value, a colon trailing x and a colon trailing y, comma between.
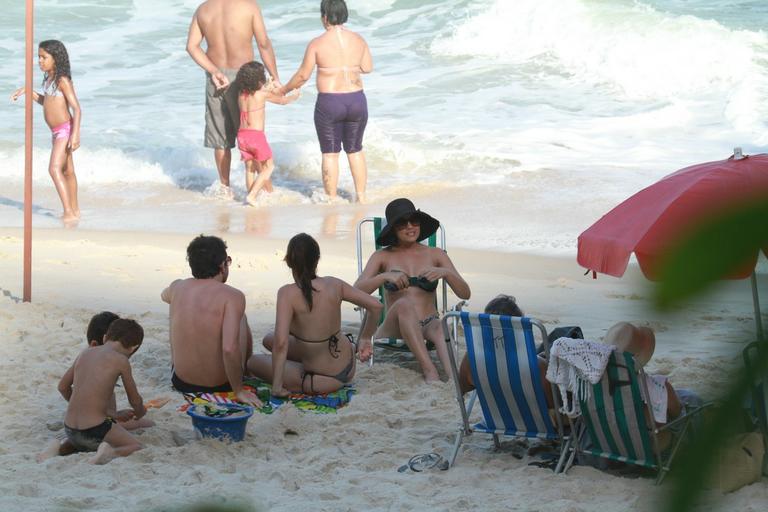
x: 758, y: 392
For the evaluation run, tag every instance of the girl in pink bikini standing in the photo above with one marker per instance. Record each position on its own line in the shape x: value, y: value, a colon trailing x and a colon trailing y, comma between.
x: 62, y: 114
x: 253, y: 145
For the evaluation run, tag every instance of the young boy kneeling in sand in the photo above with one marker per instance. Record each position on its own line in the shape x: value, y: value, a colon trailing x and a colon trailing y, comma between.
x: 89, y: 385
x: 95, y: 336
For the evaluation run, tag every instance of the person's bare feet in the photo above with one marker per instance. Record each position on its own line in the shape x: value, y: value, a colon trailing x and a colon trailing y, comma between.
x: 104, y: 454
x: 51, y: 450
x: 431, y: 376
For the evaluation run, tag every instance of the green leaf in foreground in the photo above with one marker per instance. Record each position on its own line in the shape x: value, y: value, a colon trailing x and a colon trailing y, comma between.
x: 696, y: 462
x: 714, y: 250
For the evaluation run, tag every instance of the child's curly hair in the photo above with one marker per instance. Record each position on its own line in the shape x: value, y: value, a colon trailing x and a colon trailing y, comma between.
x: 58, y: 51
x: 251, y: 77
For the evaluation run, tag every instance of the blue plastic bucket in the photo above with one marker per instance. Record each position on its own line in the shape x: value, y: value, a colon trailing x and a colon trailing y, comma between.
x: 231, y: 428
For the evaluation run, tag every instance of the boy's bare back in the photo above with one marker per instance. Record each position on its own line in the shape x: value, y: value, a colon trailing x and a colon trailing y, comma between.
x: 92, y: 381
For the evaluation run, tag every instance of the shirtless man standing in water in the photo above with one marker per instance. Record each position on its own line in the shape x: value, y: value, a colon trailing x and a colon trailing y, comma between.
x: 228, y: 27
x: 210, y: 337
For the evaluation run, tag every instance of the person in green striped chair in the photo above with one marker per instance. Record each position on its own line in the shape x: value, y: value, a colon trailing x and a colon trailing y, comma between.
x: 410, y: 273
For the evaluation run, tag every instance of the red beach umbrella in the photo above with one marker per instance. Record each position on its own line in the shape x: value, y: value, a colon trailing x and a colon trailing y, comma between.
x: 649, y: 222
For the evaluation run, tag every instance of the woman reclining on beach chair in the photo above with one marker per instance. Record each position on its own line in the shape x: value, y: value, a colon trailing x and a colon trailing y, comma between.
x: 409, y: 272
x: 309, y: 352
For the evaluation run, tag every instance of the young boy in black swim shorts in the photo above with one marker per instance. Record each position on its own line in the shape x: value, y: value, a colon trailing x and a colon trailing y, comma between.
x: 88, y: 386
x: 95, y: 335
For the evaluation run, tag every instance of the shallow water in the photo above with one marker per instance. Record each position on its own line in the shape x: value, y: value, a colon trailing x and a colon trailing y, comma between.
x: 538, y: 115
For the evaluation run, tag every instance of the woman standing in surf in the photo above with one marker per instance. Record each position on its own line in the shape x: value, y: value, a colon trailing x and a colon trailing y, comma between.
x: 341, y: 110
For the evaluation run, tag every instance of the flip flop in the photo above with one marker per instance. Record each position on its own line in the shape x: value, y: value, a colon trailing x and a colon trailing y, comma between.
x: 545, y: 464
x: 419, y: 463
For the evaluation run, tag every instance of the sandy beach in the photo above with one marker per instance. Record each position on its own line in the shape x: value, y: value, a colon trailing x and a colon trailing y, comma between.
x: 516, y: 124
x: 289, y: 460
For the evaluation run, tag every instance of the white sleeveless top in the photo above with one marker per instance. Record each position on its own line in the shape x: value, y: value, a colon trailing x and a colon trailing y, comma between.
x: 51, y: 89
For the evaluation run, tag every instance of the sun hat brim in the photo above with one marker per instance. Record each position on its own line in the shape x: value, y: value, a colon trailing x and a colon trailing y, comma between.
x: 427, y: 224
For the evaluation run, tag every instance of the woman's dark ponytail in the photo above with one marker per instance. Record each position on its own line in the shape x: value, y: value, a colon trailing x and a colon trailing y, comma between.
x: 302, y: 256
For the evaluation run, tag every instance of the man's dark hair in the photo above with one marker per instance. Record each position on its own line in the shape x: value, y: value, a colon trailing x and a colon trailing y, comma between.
x: 98, y: 326
x: 128, y: 332
x: 335, y: 11
x: 503, y: 305
x: 205, y: 255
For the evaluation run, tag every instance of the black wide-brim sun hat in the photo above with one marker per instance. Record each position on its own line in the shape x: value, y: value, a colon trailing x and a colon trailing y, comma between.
x: 398, y: 209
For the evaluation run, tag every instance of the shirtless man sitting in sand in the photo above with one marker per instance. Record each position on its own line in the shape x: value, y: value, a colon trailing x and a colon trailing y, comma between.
x: 89, y: 386
x: 228, y: 27
x: 210, y: 337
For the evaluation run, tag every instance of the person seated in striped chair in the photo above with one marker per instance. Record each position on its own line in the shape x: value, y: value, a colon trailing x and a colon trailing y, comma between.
x: 667, y: 403
x: 503, y: 305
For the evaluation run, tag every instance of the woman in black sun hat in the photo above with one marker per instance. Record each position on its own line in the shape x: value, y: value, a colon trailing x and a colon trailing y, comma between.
x: 410, y: 273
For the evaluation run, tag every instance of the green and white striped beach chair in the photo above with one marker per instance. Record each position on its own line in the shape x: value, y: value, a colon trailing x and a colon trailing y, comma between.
x: 503, y: 360
x: 437, y: 239
x: 759, y: 391
x: 617, y: 420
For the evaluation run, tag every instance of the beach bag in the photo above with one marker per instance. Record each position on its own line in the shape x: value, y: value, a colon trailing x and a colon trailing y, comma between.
x: 570, y: 331
x: 740, y: 461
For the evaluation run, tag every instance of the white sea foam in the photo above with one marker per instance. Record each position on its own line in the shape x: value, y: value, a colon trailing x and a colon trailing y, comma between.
x: 642, y: 52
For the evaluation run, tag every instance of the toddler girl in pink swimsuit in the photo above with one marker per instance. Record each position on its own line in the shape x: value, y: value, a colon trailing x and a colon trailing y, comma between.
x: 251, y: 141
x: 62, y: 114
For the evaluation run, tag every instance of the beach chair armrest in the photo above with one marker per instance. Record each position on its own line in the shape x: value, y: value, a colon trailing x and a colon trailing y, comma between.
x: 689, y: 414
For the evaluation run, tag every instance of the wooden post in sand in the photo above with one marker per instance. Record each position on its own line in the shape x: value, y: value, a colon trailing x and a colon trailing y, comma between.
x: 28, y: 96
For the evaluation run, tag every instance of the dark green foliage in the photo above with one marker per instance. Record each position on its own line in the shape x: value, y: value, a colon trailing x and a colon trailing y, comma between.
x: 221, y: 505
x: 695, y: 464
x: 711, y: 252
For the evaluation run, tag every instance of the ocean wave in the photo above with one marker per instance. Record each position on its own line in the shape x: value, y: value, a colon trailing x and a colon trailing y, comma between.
x: 632, y: 48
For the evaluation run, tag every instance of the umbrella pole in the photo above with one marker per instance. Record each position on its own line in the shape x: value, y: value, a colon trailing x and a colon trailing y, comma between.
x: 29, y: 45
x: 756, y: 303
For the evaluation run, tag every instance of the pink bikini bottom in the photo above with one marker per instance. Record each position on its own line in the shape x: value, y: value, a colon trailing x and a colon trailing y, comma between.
x: 253, y: 145
x: 62, y: 131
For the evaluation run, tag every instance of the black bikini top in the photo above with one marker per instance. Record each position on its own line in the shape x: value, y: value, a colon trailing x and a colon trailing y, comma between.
x: 417, y: 281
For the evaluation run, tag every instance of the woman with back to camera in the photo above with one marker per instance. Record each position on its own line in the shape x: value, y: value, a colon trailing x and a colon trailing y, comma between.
x: 309, y: 352
x: 341, y: 109
x: 410, y: 273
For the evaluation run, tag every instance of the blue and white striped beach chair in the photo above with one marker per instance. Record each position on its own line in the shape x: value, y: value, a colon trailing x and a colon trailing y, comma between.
x: 502, y: 357
x: 618, y: 421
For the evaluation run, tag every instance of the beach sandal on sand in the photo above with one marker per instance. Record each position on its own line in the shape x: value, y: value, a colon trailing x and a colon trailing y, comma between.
x: 419, y: 463
x: 545, y: 464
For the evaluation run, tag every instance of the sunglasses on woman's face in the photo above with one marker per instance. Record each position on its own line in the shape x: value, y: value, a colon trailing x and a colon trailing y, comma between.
x: 413, y: 220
